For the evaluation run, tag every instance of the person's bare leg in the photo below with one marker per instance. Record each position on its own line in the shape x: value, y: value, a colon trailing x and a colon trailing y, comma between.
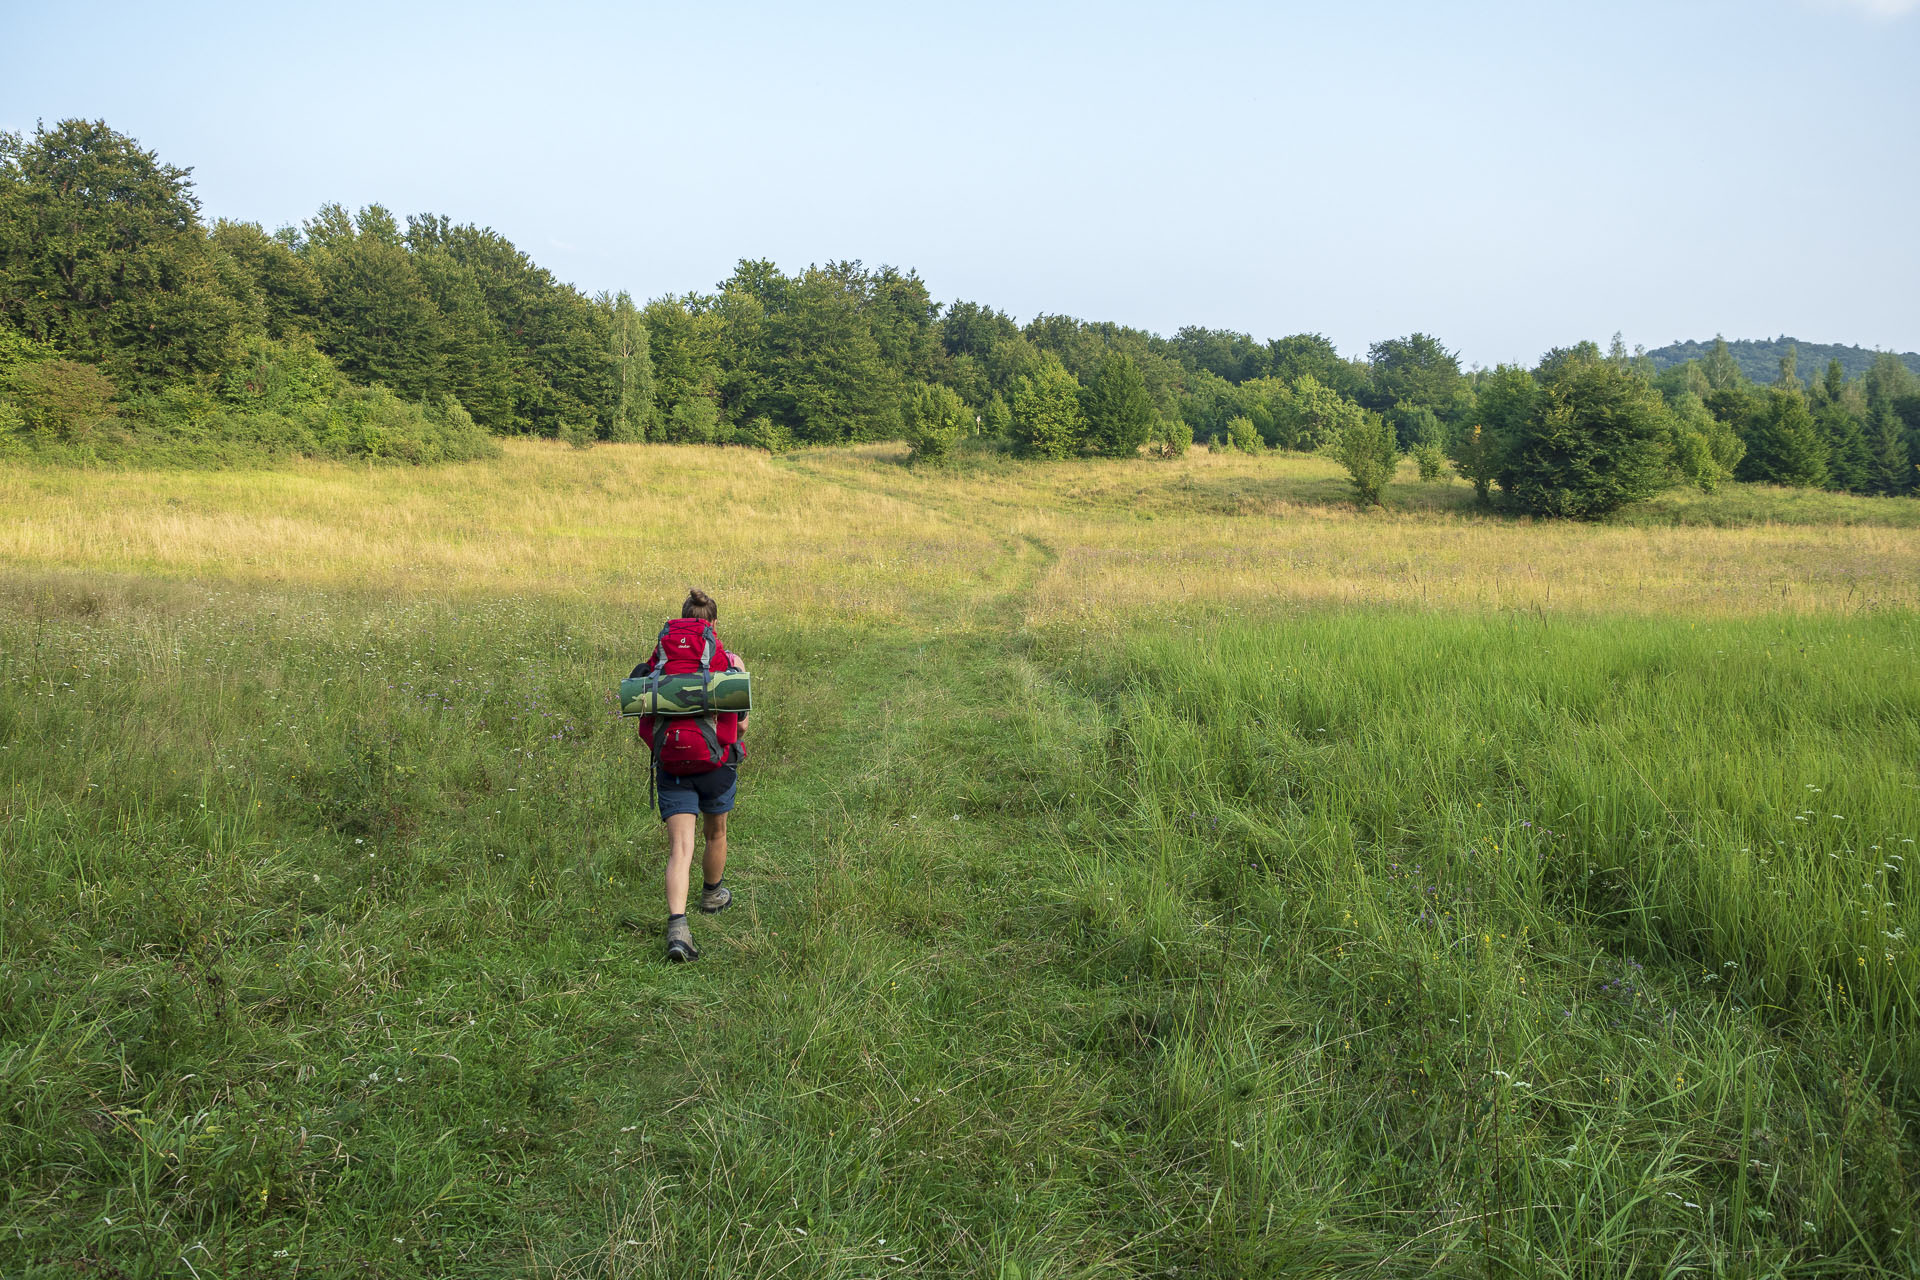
x: 680, y: 861
x: 713, y: 864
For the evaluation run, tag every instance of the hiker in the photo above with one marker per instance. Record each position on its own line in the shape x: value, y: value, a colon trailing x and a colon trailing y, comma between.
x: 696, y: 761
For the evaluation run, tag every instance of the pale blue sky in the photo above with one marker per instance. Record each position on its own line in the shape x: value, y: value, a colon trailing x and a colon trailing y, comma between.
x: 1506, y: 176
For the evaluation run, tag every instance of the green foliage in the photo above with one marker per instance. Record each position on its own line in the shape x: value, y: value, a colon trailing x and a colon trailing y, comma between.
x: 936, y: 420
x: 1704, y: 450
x: 279, y: 288
x: 996, y: 420
x: 1892, y: 406
x: 373, y: 422
x: 1309, y: 415
x: 1415, y: 370
x: 1429, y: 447
x: 1503, y: 405
x: 102, y: 254
x: 1596, y: 438
x: 834, y: 384
x: 280, y: 376
x: 1475, y: 455
x: 1242, y: 435
x: 1209, y: 402
x: 1046, y: 418
x: 377, y: 320
x: 1224, y: 354
x: 1311, y: 355
x: 1119, y: 412
x: 1784, y: 445
x: 1757, y: 360
x: 1849, y: 461
x: 104, y: 262
x: 1364, y: 445
x: 764, y: 433
x: 694, y: 420
x: 1171, y: 437
x: 61, y: 401
x: 633, y: 406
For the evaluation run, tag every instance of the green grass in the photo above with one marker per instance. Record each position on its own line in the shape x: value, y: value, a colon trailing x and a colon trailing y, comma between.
x: 1371, y: 942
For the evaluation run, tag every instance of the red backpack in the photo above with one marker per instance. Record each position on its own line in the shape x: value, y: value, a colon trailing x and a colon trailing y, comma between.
x: 689, y: 744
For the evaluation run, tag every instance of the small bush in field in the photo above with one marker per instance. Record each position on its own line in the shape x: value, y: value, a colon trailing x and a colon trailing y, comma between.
x: 62, y: 400
x: 1364, y: 445
x: 936, y: 419
x: 764, y: 433
x: 694, y: 420
x: 1243, y: 435
x: 1171, y: 437
x: 1428, y: 451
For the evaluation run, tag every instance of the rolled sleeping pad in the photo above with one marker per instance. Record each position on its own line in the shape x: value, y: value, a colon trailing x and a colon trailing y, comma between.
x: 681, y: 695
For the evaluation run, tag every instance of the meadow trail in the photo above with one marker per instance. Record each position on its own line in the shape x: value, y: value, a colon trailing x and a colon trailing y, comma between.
x: 1110, y: 902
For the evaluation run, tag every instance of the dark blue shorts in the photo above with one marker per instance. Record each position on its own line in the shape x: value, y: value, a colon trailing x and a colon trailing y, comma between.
x: 709, y: 792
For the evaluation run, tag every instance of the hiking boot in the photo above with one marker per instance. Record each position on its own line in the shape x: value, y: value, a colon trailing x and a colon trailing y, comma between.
x: 680, y: 948
x: 718, y: 898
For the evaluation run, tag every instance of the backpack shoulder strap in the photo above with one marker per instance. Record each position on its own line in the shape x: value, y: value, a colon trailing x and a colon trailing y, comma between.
x: 658, y: 662
x: 708, y: 643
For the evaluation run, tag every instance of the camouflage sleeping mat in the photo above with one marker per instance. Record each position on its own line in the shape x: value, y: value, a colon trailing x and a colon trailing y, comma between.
x: 688, y: 695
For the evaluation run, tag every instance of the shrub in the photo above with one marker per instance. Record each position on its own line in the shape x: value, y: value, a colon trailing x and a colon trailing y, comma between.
x: 1365, y: 446
x: 997, y: 420
x: 372, y: 422
x: 12, y: 425
x: 61, y: 400
x: 1476, y: 457
x: 764, y: 433
x: 1046, y: 412
x: 280, y: 377
x: 1171, y: 436
x: 1704, y: 449
x: 1427, y: 451
x: 1243, y: 435
x: 935, y: 420
x: 1595, y: 438
x: 1308, y: 415
x: 693, y: 421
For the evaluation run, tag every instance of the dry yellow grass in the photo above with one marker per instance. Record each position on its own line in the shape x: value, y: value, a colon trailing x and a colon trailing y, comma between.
x: 829, y: 534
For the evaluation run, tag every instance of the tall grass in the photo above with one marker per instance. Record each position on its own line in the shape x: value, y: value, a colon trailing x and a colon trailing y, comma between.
x: 1238, y: 938
x: 1605, y: 924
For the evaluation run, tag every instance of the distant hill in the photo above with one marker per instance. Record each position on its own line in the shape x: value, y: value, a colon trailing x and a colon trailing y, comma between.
x: 1759, y: 358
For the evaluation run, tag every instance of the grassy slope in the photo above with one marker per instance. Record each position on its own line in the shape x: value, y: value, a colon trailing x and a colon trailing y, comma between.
x: 331, y: 905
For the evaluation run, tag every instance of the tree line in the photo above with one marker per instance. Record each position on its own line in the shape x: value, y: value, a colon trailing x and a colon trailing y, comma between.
x: 126, y: 319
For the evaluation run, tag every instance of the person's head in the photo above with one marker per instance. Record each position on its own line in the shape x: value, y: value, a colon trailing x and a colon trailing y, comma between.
x: 700, y: 605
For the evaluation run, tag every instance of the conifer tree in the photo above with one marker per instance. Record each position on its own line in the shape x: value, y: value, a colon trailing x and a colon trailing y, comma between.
x: 1890, y: 468
x: 1784, y: 445
x: 1364, y: 444
x: 1596, y: 436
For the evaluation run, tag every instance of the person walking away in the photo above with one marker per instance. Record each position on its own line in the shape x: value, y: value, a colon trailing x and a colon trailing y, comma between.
x: 696, y: 762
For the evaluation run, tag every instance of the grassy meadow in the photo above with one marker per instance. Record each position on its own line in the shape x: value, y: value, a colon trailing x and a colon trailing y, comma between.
x: 1144, y: 869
